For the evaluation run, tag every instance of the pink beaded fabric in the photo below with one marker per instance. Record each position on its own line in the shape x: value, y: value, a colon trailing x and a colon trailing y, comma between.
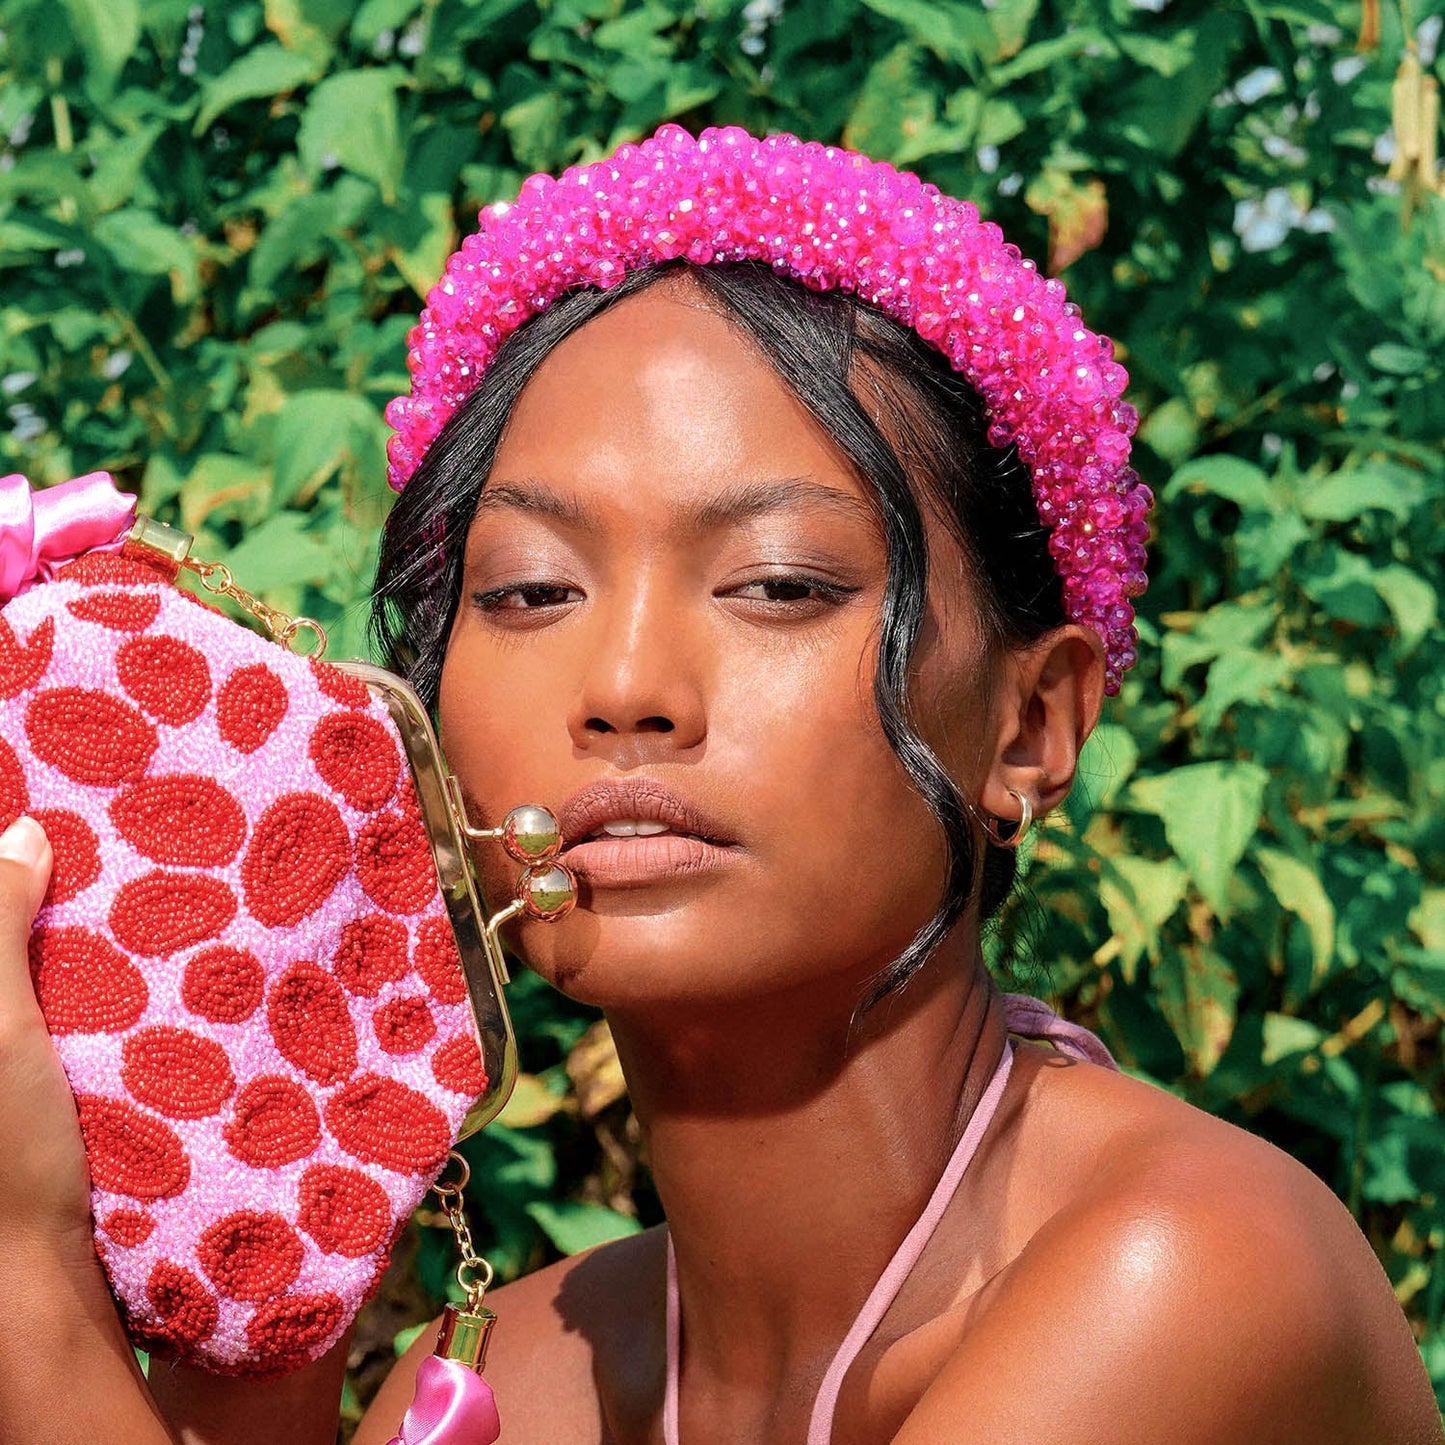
x: 243, y: 958
x: 830, y: 219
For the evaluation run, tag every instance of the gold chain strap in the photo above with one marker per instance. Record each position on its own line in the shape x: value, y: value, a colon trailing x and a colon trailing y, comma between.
x: 216, y: 578
x: 170, y: 549
x: 474, y: 1274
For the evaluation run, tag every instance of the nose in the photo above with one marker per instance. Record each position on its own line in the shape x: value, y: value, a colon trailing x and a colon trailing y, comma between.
x: 642, y: 698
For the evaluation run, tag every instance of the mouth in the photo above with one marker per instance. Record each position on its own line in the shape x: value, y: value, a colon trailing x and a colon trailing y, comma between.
x: 634, y: 832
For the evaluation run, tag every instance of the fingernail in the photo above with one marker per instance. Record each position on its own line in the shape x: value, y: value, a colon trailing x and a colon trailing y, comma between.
x: 23, y: 842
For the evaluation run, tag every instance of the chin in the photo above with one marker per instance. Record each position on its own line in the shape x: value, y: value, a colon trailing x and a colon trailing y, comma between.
x: 633, y: 952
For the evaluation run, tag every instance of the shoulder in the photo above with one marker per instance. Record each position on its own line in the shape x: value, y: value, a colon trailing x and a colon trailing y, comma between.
x: 1196, y: 1285
x: 572, y: 1353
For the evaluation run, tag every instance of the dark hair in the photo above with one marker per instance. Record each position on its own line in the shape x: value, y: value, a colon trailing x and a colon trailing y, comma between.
x: 893, y: 406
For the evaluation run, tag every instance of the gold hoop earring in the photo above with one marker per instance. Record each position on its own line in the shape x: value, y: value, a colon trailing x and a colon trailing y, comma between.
x: 1025, y: 822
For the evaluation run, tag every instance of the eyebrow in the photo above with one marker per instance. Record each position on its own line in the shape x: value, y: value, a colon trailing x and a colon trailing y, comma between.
x: 741, y: 503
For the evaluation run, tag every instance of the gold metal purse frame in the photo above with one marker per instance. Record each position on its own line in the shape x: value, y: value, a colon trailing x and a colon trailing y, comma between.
x: 546, y: 890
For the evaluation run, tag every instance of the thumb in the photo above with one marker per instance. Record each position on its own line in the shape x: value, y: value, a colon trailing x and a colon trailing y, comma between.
x: 25, y: 863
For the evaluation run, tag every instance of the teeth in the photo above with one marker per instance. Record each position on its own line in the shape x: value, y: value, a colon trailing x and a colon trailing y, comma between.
x: 630, y: 828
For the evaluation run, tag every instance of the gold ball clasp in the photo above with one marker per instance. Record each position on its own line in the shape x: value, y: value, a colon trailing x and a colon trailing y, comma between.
x: 531, y: 834
x: 548, y: 893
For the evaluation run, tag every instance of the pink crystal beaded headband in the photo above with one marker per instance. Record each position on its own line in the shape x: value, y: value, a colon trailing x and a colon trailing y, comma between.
x: 830, y: 219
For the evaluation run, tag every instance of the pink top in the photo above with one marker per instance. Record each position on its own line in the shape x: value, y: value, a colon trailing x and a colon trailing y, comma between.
x: 1023, y: 1015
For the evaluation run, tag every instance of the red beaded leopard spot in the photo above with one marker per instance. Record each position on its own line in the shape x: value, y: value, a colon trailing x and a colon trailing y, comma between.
x: 311, y: 1023
x: 343, y: 1210
x: 120, y: 611
x: 100, y: 568
x: 85, y: 984
x: 383, y: 1121
x: 77, y: 853
x: 275, y: 1122
x: 297, y: 855
x: 161, y: 913
x: 14, y: 795
x: 176, y: 1073
x: 167, y: 677
x: 89, y: 735
x: 129, y: 1227
x: 180, y: 818
x: 22, y: 665
x: 131, y: 1152
x: 294, y: 1327
x: 250, y: 1255
x: 439, y: 963
x: 223, y: 984
x: 457, y: 1066
x: 393, y: 863
x: 354, y: 753
x: 404, y: 1025
x: 187, y: 1309
x: 339, y: 686
x: 251, y: 703
x: 372, y: 954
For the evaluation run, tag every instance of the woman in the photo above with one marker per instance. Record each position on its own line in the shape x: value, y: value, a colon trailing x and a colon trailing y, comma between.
x: 733, y: 572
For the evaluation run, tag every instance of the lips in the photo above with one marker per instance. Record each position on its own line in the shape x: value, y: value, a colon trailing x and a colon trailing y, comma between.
x: 634, y: 832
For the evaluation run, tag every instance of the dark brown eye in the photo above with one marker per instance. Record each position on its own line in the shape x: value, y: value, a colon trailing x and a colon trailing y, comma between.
x: 783, y: 590
x: 527, y: 597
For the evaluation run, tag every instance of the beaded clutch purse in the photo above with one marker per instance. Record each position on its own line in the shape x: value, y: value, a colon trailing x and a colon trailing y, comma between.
x: 261, y: 957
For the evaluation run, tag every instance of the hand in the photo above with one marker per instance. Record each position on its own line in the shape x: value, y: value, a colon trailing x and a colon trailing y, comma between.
x: 45, y: 1184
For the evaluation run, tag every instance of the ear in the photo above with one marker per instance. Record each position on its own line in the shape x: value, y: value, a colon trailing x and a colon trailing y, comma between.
x: 1048, y: 701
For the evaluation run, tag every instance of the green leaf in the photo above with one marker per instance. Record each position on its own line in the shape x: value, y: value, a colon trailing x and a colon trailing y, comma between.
x: 108, y: 31
x: 142, y: 244
x: 1397, y: 360
x: 426, y: 236
x: 281, y: 552
x: 221, y: 483
x: 1199, y: 995
x: 295, y: 238
x: 1345, y: 584
x: 893, y: 101
x: 953, y: 32
x: 1427, y: 919
x: 1210, y: 812
x: 1107, y: 762
x: 269, y: 70
x: 1228, y: 627
x: 1232, y: 478
x: 1168, y: 55
x: 320, y: 431
x: 1297, y: 887
x: 1412, y: 602
x: 1342, y: 496
x: 1285, y: 1035
x: 375, y: 16
x: 1140, y: 895
x: 351, y: 120
x: 1239, y: 676
x: 118, y: 166
x: 309, y: 26
x: 531, y: 1102
x: 574, y: 1225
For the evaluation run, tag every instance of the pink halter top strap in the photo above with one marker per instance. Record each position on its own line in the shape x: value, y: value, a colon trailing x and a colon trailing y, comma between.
x: 1029, y: 1018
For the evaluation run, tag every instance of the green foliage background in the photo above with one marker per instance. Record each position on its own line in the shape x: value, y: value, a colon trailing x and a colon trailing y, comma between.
x: 216, y: 222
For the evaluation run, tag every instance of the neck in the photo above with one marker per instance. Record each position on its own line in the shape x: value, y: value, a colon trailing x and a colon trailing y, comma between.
x: 794, y: 1147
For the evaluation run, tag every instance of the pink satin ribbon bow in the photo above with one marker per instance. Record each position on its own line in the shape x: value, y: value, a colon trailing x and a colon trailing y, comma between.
x: 42, y: 530
x: 453, y: 1405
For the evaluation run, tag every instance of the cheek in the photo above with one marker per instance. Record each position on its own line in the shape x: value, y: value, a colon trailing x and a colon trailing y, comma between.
x: 853, y: 842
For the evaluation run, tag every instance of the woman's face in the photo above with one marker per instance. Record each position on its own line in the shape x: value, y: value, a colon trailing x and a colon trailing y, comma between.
x: 666, y: 634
